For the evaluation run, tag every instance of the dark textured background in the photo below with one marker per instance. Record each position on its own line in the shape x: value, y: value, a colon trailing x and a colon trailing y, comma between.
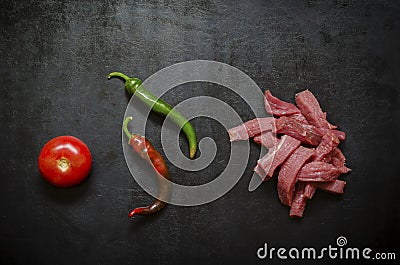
x: 55, y: 57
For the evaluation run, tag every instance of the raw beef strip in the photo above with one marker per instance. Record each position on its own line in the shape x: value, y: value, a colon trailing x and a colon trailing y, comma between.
x: 324, y: 149
x: 322, y: 153
x: 260, y: 171
x: 338, y: 158
x: 299, y: 201
x: 251, y: 128
x: 299, y: 117
x: 278, y: 107
x: 267, y: 139
x: 276, y: 156
x: 330, y: 125
x: 310, y: 108
x: 310, y: 189
x: 339, y: 134
x: 320, y: 172
x: 336, y: 187
x: 288, y: 174
x: 307, y: 134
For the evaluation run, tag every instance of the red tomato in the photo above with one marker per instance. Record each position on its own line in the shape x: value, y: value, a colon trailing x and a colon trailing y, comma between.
x: 65, y: 161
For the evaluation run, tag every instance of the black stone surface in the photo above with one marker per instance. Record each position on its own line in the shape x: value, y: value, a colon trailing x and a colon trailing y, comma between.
x: 55, y: 57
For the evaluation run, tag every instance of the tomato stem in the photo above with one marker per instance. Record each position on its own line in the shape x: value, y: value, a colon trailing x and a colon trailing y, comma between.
x: 125, y: 127
x: 63, y: 164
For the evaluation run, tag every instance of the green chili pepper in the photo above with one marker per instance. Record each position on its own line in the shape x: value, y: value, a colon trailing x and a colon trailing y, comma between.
x: 133, y: 87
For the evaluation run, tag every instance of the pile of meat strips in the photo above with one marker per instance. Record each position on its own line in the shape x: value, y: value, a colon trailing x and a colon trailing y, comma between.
x: 303, y: 149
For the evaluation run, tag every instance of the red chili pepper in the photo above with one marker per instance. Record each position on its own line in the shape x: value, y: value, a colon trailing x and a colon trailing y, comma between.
x: 145, y: 149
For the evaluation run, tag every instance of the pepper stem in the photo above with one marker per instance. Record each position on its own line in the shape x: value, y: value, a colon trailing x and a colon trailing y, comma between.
x: 118, y: 74
x: 125, y: 127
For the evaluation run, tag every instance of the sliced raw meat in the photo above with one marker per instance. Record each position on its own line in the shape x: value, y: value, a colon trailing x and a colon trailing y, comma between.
x: 320, y: 172
x: 336, y: 187
x: 323, y: 152
x: 303, y: 169
x: 324, y: 149
x: 288, y: 174
x: 278, y: 107
x: 267, y: 139
x: 276, y: 156
x: 251, y: 128
x: 260, y: 171
x: 299, y: 117
x: 310, y: 189
x: 338, y: 158
x: 310, y: 108
x: 299, y: 201
x: 339, y: 134
x: 330, y: 125
x: 307, y: 134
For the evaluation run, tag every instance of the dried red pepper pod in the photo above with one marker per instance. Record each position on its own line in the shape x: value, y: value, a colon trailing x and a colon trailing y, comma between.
x: 145, y: 149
